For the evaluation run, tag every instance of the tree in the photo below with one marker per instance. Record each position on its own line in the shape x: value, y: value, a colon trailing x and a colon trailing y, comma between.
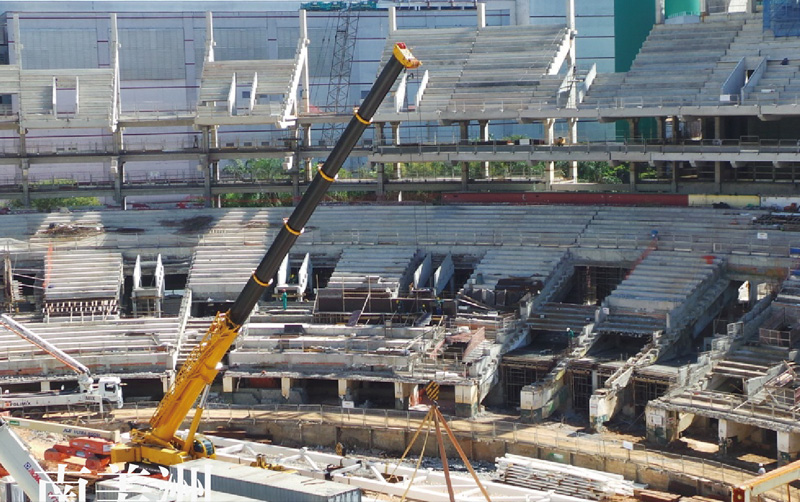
x: 255, y: 170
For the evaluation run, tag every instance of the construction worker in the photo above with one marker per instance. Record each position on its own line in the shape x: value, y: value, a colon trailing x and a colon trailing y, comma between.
x: 570, y: 337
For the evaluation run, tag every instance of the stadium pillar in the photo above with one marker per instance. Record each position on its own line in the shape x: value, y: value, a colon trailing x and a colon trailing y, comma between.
x: 522, y: 13
x: 788, y: 447
x: 24, y: 166
x: 405, y: 395
x: 573, y: 139
x: 345, y: 389
x: 205, y: 166
x: 116, y: 171
x: 467, y: 400
x: 659, y: 11
x: 396, y: 141
x: 483, y: 127
x: 379, y: 126
x: 380, y: 173
x: 676, y: 165
x: 632, y: 174
x: 286, y: 387
x: 547, y: 126
x: 464, y: 137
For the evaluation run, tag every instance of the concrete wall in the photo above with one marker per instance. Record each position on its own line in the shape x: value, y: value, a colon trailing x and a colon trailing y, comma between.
x: 394, y: 442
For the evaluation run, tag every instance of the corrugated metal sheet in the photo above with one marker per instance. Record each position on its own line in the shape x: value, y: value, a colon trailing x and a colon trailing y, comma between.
x: 155, y: 54
x: 269, y: 485
x: 240, y: 43
x: 44, y: 49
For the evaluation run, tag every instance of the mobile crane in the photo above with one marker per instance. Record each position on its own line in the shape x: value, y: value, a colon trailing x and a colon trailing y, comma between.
x: 159, y: 444
x: 105, y: 393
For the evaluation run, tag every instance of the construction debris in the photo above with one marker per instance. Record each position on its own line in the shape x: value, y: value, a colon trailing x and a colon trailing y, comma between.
x: 189, y: 225
x: 72, y: 230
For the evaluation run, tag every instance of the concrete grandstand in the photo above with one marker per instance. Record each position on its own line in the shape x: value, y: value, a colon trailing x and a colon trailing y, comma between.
x: 678, y: 319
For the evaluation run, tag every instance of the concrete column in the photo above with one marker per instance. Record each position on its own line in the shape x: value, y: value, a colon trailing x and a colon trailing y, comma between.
x: 483, y: 128
x: 548, y: 129
x: 788, y: 447
x: 661, y: 425
x: 45, y: 386
x: 395, y: 133
x: 22, y: 148
x: 227, y: 384
x: 750, y: 6
x: 392, y: 19
x: 345, y: 387
x: 752, y: 293
x: 380, y: 176
x: 659, y: 11
x: 633, y: 175
x: 732, y: 434
x: 119, y: 139
x: 463, y: 128
x: 570, y: 21
x: 522, y: 12
x: 573, y: 139
x: 379, y: 127
x: 207, y: 167
x: 674, y: 180
x: 481, y: 15
x: 24, y: 167
x: 571, y: 59
x: 467, y: 400
x: 286, y: 387
x: 116, y: 173
x: 405, y: 395
x: 166, y: 381
x: 396, y: 141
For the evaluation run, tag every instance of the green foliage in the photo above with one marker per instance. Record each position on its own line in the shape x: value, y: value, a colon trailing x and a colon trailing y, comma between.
x: 55, y: 203
x: 596, y: 172
x: 256, y: 169
x: 266, y: 170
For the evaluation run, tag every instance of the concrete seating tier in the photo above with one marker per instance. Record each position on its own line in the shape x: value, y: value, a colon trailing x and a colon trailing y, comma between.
x: 95, y: 88
x: 750, y: 361
x: 505, y: 262
x: 377, y: 268
x: 557, y: 317
x: 82, y: 283
x: 9, y: 79
x: 663, y: 281
x: 491, y: 65
x: 632, y: 323
x: 675, y: 62
x: 678, y: 228
x: 219, y: 273
x: 122, y: 346
x: 273, y: 78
